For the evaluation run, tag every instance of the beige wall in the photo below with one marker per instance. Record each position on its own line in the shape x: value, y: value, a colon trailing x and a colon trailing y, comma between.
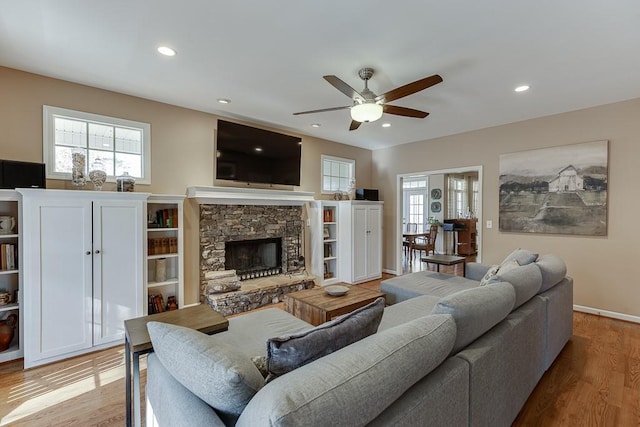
x: 182, y: 143
x: 603, y: 268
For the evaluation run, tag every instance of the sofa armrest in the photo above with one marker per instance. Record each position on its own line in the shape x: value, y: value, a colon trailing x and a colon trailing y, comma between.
x: 476, y: 271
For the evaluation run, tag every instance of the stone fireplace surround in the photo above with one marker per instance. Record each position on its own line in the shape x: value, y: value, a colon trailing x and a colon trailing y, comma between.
x: 234, y: 214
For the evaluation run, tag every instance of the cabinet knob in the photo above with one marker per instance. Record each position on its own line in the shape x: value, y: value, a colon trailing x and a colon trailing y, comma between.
x: 97, y: 251
x: 88, y: 252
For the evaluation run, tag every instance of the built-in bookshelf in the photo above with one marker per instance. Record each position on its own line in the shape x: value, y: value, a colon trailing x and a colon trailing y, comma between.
x: 323, y: 219
x: 10, y: 291
x: 164, y: 289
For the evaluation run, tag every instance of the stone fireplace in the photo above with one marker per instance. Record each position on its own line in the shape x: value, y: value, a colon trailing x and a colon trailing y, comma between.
x: 239, y: 229
x: 258, y: 233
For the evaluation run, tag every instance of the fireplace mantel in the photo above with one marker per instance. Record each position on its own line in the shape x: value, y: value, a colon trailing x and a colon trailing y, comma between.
x: 247, y: 196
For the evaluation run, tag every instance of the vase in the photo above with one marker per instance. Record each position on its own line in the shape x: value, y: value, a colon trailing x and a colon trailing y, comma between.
x: 7, y: 329
x: 125, y: 182
x: 78, y: 164
x: 97, y: 174
x: 161, y: 269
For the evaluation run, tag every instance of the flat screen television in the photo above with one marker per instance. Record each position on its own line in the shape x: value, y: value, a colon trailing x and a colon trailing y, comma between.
x: 247, y: 154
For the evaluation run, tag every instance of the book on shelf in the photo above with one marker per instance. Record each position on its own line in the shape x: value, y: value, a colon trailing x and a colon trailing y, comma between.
x: 165, y: 218
x: 162, y: 245
x: 155, y: 304
x: 8, y: 256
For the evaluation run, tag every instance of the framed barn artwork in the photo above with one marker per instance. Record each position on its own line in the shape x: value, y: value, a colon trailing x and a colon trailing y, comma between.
x: 557, y: 190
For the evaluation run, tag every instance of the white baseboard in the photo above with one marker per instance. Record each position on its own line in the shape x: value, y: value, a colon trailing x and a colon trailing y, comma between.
x: 394, y: 272
x: 605, y: 313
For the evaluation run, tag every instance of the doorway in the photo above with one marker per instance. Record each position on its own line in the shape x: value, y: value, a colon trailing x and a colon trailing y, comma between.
x: 443, y: 197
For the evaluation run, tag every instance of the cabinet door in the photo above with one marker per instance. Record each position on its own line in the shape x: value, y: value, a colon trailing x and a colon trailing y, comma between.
x: 374, y: 247
x: 58, y: 294
x: 117, y: 271
x: 360, y: 236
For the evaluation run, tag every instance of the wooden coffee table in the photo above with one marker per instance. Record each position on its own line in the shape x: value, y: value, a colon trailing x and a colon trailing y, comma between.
x: 446, y: 260
x: 315, y: 306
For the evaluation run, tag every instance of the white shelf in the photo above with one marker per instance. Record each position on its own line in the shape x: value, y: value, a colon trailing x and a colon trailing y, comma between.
x: 9, y: 272
x: 162, y: 256
x: 330, y: 240
x: 13, y: 352
x: 329, y: 258
x: 10, y: 204
x: 9, y: 307
x: 165, y: 283
x: 173, y: 285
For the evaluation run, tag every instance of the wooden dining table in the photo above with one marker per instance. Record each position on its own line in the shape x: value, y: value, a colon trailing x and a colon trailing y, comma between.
x: 411, y: 238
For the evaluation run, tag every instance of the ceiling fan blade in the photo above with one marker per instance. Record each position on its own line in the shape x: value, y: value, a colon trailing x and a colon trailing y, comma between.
x: 322, y: 110
x: 343, y: 87
x: 354, y: 125
x: 404, y: 111
x: 409, y: 89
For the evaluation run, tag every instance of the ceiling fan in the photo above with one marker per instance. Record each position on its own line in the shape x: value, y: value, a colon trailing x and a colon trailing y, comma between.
x: 368, y: 107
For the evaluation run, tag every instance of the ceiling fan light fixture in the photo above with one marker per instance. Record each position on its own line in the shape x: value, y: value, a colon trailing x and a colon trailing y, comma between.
x: 367, y: 112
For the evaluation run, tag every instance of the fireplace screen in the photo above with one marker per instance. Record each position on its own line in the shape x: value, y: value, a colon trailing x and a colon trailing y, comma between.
x: 254, y: 258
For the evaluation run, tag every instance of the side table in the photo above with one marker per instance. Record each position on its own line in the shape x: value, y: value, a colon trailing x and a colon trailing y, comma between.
x: 438, y: 260
x: 137, y: 342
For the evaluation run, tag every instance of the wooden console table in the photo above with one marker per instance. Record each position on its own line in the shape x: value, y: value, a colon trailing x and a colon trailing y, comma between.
x: 137, y: 342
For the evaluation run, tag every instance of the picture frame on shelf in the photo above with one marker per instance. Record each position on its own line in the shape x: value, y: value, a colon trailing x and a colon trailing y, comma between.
x: 327, y: 234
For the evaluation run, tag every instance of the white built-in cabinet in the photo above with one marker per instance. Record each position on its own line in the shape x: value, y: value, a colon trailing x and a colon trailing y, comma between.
x: 323, y: 222
x: 164, y: 278
x: 83, y: 262
x: 360, y: 240
x: 10, y: 271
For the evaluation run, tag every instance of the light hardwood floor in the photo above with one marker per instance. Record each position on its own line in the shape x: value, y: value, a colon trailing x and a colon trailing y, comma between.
x: 594, y: 382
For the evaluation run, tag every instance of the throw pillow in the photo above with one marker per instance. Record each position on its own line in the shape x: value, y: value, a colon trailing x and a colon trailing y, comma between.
x: 284, y: 354
x: 261, y: 364
x: 211, y: 369
x: 522, y: 256
x: 489, y: 275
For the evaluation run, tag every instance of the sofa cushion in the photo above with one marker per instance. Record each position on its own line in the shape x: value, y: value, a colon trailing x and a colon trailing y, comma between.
x: 289, y: 352
x: 353, y: 385
x: 477, y: 310
x: 405, y: 311
x: 525, y: 279
x: 209, y: 368
x: 522, y: 256
x: 553, y: 270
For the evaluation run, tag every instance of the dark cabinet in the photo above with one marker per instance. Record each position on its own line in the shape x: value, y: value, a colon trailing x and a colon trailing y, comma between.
x: 465, y: 237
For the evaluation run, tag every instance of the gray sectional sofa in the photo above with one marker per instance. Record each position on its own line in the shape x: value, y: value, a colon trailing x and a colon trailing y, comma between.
x: 448, y: 352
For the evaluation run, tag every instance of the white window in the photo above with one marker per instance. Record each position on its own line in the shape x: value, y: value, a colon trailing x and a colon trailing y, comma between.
x: 337, y: 174
x: 122, y: 145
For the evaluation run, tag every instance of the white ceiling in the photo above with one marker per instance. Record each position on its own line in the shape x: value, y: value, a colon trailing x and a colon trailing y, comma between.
x: 269, y: 57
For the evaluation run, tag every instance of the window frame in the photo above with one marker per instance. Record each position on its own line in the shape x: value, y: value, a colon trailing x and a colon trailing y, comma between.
x: 49, y: 113
x: 351, y: 163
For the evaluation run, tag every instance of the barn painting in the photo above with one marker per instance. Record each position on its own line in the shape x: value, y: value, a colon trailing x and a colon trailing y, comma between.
x: 557, y: 190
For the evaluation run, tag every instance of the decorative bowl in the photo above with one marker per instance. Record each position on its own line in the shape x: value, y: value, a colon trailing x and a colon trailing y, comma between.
x: 336, y: 290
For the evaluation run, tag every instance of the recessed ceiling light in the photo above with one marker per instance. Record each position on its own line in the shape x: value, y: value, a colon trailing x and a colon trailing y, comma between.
x: 258, y: 149
x: 386, y: 125
x: 315, y: 125
x: 166, y: 51
x: 224, y: 101
x: 522, y: 88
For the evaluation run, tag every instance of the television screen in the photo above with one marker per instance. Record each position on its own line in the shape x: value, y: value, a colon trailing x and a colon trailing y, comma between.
x: 247, y: 154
